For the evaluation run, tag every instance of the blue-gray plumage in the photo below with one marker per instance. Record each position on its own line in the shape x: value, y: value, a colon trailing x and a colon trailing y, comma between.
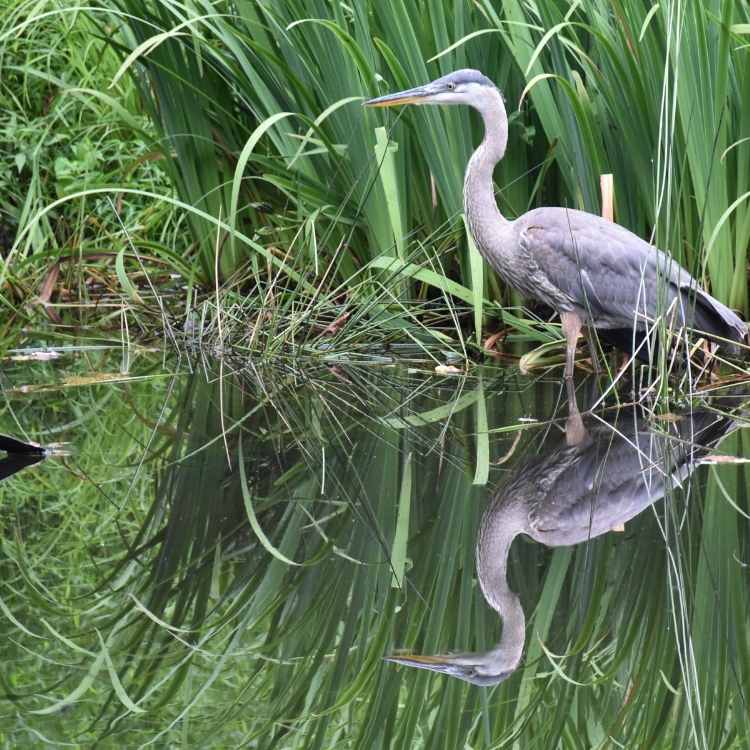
x: 566, y: 495
x: 590, y: 270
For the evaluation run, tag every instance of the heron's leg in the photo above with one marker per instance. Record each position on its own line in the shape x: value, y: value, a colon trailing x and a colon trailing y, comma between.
x: 575, y: 432
x: 571, y: 326
x: 594, y: 349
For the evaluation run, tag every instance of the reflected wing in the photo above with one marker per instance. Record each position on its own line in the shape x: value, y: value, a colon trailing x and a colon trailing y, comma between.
x: 618, y: 473
x: 605, y: 484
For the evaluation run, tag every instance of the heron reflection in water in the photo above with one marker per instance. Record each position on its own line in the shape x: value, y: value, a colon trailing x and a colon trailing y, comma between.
x: 593, y: 272
x: 570, y: 494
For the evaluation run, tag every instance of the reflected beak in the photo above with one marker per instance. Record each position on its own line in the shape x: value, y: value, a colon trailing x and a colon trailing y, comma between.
x: 418, y: 95
x: 470, y: 667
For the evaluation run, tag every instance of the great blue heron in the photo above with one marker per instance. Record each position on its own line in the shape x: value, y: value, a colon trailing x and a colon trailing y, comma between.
x: 593, y: 272
x: 567, y: 495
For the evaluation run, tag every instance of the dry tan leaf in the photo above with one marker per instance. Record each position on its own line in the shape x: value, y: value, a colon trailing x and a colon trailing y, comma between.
x: 447, y: 370
x: 45, y: 291
x: 669, y: 417
x: 76, y: 381
x: 491, y: 342
x: 334, y: 327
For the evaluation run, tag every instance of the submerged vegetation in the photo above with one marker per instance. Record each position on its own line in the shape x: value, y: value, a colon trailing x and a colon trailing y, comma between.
x: 271, y: 320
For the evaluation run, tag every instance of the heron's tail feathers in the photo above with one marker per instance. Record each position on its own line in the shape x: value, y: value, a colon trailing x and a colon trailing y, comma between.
x: 713, y: 317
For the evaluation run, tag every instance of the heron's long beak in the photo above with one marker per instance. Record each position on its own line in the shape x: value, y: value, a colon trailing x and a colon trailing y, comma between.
x: 418, y: 95
x: 436, y: 663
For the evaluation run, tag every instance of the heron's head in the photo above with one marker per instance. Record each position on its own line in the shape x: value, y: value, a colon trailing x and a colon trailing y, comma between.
x: 462, y: 87
x: 480, y: 668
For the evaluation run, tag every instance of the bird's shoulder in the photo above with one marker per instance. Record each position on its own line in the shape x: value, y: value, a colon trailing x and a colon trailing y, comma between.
x: 566, y: 228
x: 570, y: 244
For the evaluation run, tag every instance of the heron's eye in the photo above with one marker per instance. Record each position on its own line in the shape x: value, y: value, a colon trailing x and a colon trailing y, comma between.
x: 451, y: 85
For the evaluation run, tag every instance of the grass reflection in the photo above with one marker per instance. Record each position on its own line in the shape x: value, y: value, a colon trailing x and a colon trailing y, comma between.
x: 215, y: 566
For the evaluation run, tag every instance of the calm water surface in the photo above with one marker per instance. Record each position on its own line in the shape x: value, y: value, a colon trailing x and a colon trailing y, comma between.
x: 229, y: 552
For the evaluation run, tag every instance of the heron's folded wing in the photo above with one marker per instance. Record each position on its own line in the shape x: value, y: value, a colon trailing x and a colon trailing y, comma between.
x: 597, y: 264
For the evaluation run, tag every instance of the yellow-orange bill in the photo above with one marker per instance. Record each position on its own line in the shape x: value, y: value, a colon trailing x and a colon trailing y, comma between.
x: 392, y: 102
x: 411, y: 96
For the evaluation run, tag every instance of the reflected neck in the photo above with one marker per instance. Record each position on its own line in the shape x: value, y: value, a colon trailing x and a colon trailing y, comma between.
x: 499, y: 527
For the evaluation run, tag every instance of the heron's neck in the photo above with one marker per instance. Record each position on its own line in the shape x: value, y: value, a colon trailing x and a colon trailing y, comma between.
x: 479, y: 194
x: 500, y: 526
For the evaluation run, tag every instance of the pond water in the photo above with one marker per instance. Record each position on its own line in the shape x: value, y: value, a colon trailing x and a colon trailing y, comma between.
x: 227, y: 553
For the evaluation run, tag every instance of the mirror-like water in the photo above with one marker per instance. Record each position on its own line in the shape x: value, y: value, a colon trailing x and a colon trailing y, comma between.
x: 228, y: 554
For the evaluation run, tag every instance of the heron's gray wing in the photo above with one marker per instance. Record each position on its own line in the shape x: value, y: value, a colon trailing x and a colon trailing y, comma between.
x: 734, y: 327
x: 598, y: 265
